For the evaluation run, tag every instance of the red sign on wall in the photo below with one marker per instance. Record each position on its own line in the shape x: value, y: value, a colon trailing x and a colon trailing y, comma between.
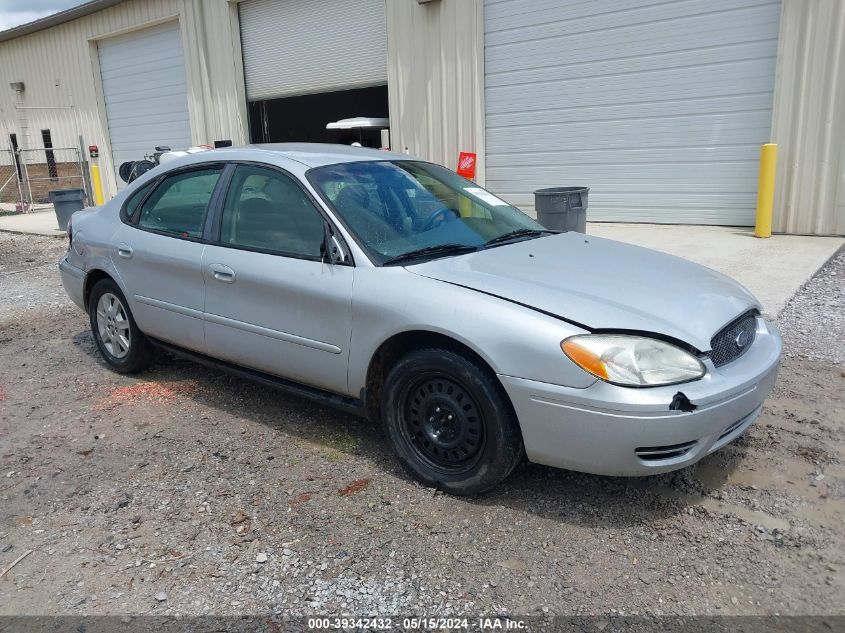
x: 466, y: 165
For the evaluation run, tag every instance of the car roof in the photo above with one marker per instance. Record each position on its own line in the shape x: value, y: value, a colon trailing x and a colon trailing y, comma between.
x: 310, y: 154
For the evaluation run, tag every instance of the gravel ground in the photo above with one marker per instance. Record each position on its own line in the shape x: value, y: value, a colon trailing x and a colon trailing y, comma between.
x: 185, y: 491
x: 813, y: 322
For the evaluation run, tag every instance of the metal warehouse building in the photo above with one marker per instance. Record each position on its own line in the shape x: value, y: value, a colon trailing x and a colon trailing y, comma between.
x: 660, y: 107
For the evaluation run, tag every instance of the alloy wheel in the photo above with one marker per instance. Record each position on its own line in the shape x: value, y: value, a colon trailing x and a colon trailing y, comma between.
x: 113, y: 325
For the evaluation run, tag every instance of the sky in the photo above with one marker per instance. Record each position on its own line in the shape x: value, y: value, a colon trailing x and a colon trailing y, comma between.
x: 15, y: 12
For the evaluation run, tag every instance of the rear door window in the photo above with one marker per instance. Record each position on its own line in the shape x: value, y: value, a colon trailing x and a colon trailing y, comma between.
x: 179, y: 204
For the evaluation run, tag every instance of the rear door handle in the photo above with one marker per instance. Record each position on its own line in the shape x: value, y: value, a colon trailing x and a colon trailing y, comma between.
x: 222, y: 273
x: 124, y: 250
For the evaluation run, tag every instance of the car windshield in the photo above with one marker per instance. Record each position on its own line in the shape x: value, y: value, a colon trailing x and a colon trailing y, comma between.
x: 397, y: 208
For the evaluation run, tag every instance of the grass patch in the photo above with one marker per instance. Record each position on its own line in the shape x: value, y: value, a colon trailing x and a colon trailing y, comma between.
x: 336, y: 443
x: 332, y: 455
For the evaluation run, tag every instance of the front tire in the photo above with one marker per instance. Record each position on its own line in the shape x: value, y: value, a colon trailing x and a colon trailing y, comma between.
x: 122, y: 345
x: 450, y: 422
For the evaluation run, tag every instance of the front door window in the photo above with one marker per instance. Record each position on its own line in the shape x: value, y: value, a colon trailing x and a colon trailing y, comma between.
x: 267, y: 211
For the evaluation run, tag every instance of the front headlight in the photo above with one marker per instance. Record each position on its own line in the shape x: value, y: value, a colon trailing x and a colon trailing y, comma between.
x: 632, y: 361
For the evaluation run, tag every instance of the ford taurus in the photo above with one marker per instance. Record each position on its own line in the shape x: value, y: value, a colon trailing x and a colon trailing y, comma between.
x: 393, y: 288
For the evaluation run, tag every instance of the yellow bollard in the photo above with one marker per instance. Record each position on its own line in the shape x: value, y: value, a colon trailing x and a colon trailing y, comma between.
x: 766, y: 190
x: 97, y: 184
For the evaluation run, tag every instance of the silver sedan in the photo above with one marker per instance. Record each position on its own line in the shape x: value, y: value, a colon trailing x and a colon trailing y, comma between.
x: 392, y: 288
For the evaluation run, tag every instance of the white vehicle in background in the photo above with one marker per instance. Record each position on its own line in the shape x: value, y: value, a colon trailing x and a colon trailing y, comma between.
x: 134, y: 169
x: 361, y: 123
x: 170, y: 155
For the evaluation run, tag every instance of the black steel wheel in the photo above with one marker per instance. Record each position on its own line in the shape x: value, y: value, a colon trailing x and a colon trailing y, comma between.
x: 450, y: 421
x: 442, y: 423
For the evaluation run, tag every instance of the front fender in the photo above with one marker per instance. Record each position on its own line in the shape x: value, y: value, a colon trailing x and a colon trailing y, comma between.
x: 513, y: 340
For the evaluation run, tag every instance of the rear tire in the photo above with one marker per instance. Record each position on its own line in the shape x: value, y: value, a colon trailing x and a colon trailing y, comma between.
x: 122, y: 345
x: 450, y: 422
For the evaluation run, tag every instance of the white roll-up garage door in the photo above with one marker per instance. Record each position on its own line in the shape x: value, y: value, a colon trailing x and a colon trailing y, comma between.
x: 296, y: 47
x: 145, y: 92
x: 659, y: 107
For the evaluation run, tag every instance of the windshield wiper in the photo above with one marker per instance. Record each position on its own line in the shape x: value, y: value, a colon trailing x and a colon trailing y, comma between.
x: 514, y: 235
x: 431, y: 251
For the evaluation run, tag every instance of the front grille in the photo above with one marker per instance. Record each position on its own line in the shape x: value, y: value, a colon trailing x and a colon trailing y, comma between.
x: 655, y: 453
x: 734, y: 339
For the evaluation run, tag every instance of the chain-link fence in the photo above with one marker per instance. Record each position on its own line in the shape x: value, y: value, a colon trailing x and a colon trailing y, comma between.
x: 11, y: 195
x: 27, y: 176
x: 46, y: 169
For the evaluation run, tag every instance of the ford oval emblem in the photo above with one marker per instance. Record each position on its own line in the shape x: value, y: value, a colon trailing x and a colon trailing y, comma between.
x: 741, y: 339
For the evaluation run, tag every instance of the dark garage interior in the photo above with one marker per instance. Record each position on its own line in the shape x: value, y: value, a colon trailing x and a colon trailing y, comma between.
x: 304, y: 118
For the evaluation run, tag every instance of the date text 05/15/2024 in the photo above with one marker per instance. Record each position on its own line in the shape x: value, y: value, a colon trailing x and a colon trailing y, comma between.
x: 417, y: 623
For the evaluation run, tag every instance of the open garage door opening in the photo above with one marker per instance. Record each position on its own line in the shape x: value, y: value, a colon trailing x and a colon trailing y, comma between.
x: 304, y: 118
x: 308, y: 64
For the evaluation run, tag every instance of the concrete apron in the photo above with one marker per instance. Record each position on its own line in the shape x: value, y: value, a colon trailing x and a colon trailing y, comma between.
x: 33, y: 223
x: 773, y: 269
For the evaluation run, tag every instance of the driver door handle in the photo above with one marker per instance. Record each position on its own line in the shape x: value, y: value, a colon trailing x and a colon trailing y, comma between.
x: 222, y: 273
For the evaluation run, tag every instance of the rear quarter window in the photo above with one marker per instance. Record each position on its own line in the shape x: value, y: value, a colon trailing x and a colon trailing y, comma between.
x: 134, y: 201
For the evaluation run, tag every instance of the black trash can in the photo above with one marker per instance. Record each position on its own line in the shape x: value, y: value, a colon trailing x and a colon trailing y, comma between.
x: 66, y: 202
x: 562, y: 208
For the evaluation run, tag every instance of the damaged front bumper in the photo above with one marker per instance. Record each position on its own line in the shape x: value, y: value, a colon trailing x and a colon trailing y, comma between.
x: 611, y: 430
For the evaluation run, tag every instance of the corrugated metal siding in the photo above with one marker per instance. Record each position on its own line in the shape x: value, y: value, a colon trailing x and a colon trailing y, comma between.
x: 809, y: 118
x: 216, y: 97
x: 301, y: 47
x: 435, y: 58
x: 659, y: 107
x: 59, y: 66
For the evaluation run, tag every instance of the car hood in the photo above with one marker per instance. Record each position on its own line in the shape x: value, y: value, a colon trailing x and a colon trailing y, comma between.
x: 602, y: 285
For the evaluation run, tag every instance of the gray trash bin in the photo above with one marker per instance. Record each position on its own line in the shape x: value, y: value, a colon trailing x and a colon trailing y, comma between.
x: 562, y: 208
x: 66, y: 202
